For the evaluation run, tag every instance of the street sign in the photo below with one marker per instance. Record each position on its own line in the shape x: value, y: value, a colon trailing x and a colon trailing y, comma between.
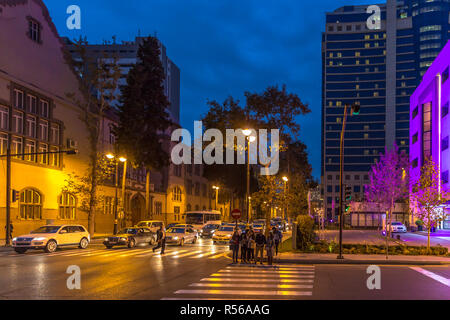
x: 236, y: 214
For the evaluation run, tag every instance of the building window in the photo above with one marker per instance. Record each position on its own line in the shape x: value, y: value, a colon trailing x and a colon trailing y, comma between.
x: 415, y: 112
x: 3, y: 143
x: 31, y: 104
x: 54, y: 157
x: 415, y: 163
x: 177, y: 194
x: 4, y: 118
x: 444, y: 177
x: 43, y: 158
x: 16, y: 147
x: 330, y: 28
x: 177, y: 170
x: 330, y: 177
x: 329, y: 189
x: 415, y: 138
x: 34, y: 30
x: 188, y: 207
x: 30, y: 205
x: 17, y: 122
x: 444, y: 110
x: 158, y: 207
x: 108, y: 205
x: 19, y: 99
x: 197, y: 169
x: 189, y: 187
x: 45, y: 109
x: 112, y: 136
x: 204, y: 190
x: 30, y: 148
x: 55, y: 134
x: 43, y: 130
x: 197, y: 189
x: 427, y: 130
x: 67, y: 206
x: 357, y: 189
x: 444, y: 144
x: 445, y: 75
x: 31, y: 126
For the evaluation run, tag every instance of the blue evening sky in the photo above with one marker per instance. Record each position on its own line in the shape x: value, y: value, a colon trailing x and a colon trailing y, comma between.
x: 223, y: 47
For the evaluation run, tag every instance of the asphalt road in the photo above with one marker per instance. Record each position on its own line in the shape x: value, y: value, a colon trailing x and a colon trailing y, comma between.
x: 202, y: 271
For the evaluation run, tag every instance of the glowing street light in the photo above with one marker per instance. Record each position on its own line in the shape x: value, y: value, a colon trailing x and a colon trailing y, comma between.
x: 217, y: 195
x: 110, y: 156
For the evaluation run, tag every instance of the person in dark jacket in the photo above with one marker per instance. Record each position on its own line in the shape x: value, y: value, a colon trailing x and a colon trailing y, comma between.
x: 235, y: 244
x: 243, y: 244
x: 161, y: 238
x: 251, y: 246
x: 260, y: 240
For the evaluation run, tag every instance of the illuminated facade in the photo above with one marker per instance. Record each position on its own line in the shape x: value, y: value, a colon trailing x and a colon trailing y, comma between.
x: 430, y: 122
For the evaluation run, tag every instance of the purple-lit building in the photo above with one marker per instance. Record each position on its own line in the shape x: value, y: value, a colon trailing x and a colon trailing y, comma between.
x: 430, y: 122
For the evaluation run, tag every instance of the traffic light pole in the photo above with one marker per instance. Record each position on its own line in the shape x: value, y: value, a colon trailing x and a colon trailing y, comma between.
x: 341, y: 184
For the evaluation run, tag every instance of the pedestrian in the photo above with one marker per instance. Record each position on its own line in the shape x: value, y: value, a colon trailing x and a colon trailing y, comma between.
x: 260, y: 241
x: 243, y: 244
x: 251, y: 246
x: 161, y: 238
x: 270, y: 243
x: 235, y: 243
x: 277, y: 239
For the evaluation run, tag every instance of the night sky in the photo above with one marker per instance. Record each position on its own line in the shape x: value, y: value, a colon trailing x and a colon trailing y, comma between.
x: 222, y: 47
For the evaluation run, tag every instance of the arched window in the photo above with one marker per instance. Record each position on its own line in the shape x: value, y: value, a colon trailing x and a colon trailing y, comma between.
x: 67, y: 206
x: 196, y: 207
x: 204, y: 208
x: 188, y: 207
x: 30, y: 205
x: 177, y: 194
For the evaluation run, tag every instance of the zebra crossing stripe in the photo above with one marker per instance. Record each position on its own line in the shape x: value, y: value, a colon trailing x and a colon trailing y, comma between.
x: 247, y: 292
x: 218, y: 255
x: 257, y: 280
x: 269, y: 268
x: 205, y: 254
x: 186, y: 254
x: 252, y: 285
x: 265, y: 272
x: 246, y: 275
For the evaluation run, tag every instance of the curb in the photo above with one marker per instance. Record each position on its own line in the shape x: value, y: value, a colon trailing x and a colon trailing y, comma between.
x: 361, y: 262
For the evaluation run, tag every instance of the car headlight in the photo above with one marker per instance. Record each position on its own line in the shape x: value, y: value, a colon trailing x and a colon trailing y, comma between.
x: 175, y: 238
x: 106, y: 239
x: 14, y: 239
x: 38, y: 239
x: 228, y: 235
x: 123, y: 239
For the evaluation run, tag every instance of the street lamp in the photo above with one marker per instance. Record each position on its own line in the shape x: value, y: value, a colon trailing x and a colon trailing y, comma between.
x: 217, y: 194
x: 355, y: 109
x: 285, y: 179
x: 110, y: 156
x: 249, y: 138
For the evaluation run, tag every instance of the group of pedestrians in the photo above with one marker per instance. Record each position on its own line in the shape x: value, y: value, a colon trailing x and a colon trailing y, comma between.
x: 250, y: 241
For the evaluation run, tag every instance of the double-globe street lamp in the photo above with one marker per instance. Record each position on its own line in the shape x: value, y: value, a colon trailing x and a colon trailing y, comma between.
x: 123, y: 160
x: 249, y: 138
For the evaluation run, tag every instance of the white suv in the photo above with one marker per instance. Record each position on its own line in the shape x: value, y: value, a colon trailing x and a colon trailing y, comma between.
x: 51, y: 237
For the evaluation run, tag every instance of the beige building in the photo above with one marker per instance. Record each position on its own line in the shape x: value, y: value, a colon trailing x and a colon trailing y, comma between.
x: 37, y: 116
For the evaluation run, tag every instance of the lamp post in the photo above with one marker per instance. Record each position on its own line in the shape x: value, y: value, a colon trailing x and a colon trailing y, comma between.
x: 217, y: 195
x: 249, y: 138
x: 355, y: 108
x: 116, y: 199
x: 285, y: 179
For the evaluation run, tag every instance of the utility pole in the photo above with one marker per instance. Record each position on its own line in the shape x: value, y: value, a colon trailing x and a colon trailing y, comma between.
x: 8, y: 193
x: 116, y: 200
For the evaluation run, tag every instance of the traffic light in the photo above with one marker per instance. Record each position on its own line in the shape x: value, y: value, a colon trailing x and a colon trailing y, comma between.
x: 15, y: 196
x: 356, y: 108
x: 348, y: 193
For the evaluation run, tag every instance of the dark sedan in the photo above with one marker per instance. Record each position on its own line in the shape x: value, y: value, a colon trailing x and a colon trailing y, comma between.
x: 209, y: 230
x: 131, y: 237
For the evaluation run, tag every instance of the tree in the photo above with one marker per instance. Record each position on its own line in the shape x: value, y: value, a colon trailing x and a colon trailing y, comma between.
x: 429, y: 197
x: 143, y: 117
x: 98, y: 82
x: 388, y: 183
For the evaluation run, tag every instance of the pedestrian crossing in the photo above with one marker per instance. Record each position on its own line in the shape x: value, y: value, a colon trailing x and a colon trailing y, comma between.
x: 248, y: 282
x: 175, y: 253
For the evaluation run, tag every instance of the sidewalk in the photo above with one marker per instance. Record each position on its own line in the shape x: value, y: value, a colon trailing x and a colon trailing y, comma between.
x: 326, y: 258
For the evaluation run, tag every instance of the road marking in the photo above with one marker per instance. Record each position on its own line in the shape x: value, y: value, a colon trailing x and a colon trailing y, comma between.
x: 244, y: 275
x: 251, y: 285
x: 432, y: 275
x: 247, y: 292
x: 265, y: 272
x: 205, y: 254
x: 218, y: 255
x: 257, y: 280
x: 187, y: 254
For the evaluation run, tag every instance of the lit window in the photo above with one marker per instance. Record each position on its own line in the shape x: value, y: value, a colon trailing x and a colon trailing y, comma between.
x: 30, y: 205
x: 67, y: 206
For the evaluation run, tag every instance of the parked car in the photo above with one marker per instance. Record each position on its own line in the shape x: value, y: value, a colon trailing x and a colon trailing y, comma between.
x: 209, y: 230
x: 259, y: 227
x: 396, y: 227
x: 171, y: 225
x: 182, y: 225
x: 180, y: 235
x: 131, y: 237
x: 153, y: 225
x: 223, y: 234
x: 51, y: 237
